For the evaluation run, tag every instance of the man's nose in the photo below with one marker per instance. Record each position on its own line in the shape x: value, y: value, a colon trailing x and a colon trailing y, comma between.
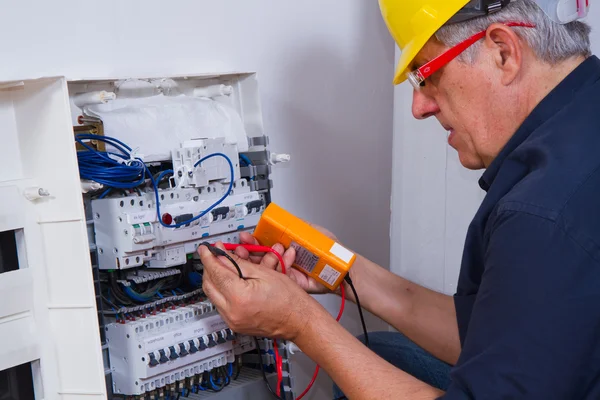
x: 424, y: 106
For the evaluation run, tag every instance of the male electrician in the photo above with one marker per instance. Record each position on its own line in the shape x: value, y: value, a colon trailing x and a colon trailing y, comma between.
x: 516, y: 87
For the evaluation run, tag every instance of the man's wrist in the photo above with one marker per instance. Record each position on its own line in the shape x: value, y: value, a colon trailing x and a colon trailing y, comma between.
x: 355, y: 274
x: 306, y: 313
x: 306, y: 330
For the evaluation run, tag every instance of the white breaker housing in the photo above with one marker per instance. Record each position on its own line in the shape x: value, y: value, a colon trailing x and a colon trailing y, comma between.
x: 214, y: 168
x: 170, y: 347
x: 129, y: 235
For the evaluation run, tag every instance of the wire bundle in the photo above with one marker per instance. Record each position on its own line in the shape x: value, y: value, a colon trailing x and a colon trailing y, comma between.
x: 116, y: 170
x: 126, y: 171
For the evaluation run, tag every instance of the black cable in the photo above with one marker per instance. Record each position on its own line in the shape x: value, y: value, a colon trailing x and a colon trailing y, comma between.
x: 117, y: 292
x: 218, y: 252
x: 238, y: 367
x: 362, y: 318
x: 226, y: 377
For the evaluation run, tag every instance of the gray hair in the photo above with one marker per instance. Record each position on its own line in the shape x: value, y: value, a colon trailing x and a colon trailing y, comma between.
x: 550, y: 41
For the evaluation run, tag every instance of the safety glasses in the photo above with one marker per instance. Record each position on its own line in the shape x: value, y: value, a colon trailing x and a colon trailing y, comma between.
x: 418, y: 76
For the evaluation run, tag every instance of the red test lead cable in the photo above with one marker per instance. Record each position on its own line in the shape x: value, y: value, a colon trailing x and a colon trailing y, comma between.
x: 265, y: 249
x: 314, y: 378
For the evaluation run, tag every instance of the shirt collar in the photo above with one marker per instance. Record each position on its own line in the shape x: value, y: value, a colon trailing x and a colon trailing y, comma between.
x: 549, y: 106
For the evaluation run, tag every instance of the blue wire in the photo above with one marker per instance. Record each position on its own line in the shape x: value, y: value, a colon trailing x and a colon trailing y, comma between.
x: 103, y: 195
x: 99, y: 167
x: 209, y: 209
x: 212, y: 383
x: 162, y: 175
x: 245, y: 159
x: 248, y: 162
x: 136, y: 296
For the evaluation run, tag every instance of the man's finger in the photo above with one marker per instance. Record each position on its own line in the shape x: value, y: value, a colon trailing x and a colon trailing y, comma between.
x: 221, y: 276
x: 247, y: 269
x: 246, y: 238
x: 271, y: 261
x: 242, y: 252
x: 288, y: 258
x: 226, y: 262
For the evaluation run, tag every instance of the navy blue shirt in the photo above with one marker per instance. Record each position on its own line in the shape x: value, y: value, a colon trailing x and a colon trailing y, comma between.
x: 528, y: 297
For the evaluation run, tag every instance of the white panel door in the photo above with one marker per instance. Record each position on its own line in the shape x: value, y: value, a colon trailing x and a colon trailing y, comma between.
x: 47, y: 303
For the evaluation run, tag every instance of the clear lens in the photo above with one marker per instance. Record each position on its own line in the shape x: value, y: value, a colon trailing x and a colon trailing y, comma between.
x: 416, y: 79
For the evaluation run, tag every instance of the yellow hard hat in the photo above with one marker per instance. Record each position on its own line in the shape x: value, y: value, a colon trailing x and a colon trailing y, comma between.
x: 413, y: 22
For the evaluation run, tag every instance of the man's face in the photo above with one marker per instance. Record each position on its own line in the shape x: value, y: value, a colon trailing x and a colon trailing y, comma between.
x: 461, y: 96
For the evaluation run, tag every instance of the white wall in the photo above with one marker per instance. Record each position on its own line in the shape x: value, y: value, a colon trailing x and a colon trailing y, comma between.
x: 433, y: 200
x: 434, y: 197
x: 324, y: 67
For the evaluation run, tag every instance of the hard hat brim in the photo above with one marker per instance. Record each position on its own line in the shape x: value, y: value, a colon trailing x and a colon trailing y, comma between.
x: 408, y: 55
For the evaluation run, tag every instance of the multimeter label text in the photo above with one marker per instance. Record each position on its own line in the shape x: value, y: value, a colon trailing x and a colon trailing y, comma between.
x: 304, y: 258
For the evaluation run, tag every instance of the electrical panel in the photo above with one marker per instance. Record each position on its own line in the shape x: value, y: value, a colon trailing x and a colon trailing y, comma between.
x: 167, y: 164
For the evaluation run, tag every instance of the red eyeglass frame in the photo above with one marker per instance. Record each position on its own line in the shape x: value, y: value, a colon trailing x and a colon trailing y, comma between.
x: 418, y: 76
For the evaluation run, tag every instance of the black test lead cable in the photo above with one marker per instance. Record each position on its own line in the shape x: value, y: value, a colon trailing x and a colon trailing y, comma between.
x: 218, y: 252
x: 360, y: 311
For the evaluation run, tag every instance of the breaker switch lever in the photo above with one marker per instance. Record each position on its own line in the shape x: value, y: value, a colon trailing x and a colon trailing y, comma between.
x: 255, y: 206
x: 222, y: 212
x: 163, y: 357
x: 174, y: 354
x: 182, y: 218
x: 193, y: 348
x: 211, y: 341
x: 202, y: 344
x: 230, y: 334
x: 153, y: 361
x: 182, y: 351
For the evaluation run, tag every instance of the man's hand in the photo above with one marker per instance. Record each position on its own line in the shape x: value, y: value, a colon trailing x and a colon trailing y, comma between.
x: 305, y: 282
x: 264, y: 303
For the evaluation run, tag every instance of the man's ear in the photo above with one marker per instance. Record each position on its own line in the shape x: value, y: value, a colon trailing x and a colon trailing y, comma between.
x: 507, y: 51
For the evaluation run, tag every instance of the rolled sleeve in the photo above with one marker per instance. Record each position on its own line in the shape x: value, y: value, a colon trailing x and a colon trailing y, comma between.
x: 535, y: 324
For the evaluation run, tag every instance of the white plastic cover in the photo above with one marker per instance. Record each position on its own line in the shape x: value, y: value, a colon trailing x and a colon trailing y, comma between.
x: 150, y: 125
x: 565, y: 11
